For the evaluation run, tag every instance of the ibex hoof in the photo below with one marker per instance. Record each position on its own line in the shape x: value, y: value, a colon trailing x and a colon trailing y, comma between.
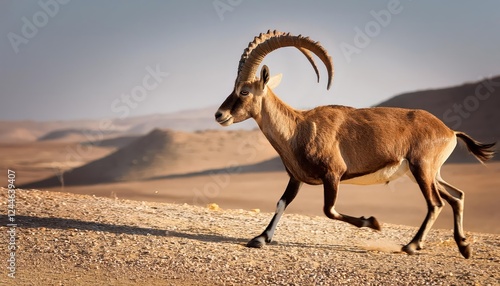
x: 409, y: 249
x: 256, y: 242
x: 373, y: 223
x: 466, y: 250
x: 420, y: 245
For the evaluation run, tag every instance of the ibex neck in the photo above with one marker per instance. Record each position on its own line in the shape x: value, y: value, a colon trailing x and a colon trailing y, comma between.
x: 277, y: 120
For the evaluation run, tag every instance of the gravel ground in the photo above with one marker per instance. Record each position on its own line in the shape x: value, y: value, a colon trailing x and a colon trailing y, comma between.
x: 67, y: 239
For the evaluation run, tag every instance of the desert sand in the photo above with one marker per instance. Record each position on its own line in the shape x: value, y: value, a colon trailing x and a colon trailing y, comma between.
x: 68, y: 239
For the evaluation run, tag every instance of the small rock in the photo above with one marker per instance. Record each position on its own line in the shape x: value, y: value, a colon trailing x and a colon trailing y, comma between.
x: 213, y: 207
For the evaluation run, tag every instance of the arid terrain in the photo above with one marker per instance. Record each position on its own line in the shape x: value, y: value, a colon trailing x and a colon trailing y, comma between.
x: 68, y: 239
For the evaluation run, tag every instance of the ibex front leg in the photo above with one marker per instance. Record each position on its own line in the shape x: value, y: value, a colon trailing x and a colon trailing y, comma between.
x: 331, y: 186
x: 291, y: 191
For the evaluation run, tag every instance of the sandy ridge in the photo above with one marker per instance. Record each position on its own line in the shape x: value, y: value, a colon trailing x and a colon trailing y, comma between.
x: 67, y: 239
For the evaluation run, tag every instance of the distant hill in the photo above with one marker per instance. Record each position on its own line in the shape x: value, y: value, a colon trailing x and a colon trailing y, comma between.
x: 76, y: 135
x: 167, y: 152
x: 29, y: 131
x: 82, y: 130
x: 114, y: 142
x: 473, y: 108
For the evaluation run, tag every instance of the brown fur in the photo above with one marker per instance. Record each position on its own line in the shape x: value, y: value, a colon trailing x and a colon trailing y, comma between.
x: 351, y: 141
x: 330, y: 144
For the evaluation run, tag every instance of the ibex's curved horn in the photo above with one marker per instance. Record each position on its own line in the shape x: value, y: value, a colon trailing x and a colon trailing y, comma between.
x: 308, y: 55
x: 272, y: 40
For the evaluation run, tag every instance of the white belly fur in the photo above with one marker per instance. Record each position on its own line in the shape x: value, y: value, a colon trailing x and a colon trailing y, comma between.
x: 381, y: 176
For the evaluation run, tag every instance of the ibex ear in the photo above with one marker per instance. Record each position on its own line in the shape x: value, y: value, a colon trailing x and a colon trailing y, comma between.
x: 266, y: 79
x: 275, y: 81
x: 264, y: 76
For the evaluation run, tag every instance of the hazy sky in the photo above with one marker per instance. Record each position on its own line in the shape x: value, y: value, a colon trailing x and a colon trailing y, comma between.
x: 84, y: 59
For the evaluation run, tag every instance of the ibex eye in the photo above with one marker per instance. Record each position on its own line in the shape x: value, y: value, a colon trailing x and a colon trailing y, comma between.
x: 244, y: 92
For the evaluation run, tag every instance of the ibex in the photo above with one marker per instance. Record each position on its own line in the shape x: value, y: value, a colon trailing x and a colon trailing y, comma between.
x: 335, y: 144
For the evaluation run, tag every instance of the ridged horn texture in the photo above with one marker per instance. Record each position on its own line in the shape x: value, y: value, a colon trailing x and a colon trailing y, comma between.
x: 273, y: 40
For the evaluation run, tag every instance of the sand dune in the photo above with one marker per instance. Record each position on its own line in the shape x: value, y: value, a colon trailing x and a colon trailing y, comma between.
x: 33, y: 161
x: 19, y: 134
x: 77, y: 135
x: 164, y: 152
x: 271, y: 165
x: 115, y: 142
x: 27, y: 131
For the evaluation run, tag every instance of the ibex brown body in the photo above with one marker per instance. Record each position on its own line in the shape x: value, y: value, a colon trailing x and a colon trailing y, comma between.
x: 330, y: 145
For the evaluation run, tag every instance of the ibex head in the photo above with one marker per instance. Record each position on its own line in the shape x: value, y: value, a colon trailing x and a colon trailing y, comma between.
x: 246, y: 99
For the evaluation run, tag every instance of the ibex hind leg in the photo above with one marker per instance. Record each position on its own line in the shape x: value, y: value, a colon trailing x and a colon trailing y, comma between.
x: 331, y: 187
x: 430, y: 191
x: 455, y: 198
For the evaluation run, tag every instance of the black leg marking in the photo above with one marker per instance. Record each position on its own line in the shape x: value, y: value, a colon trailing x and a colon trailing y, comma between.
x: 266, y: 237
